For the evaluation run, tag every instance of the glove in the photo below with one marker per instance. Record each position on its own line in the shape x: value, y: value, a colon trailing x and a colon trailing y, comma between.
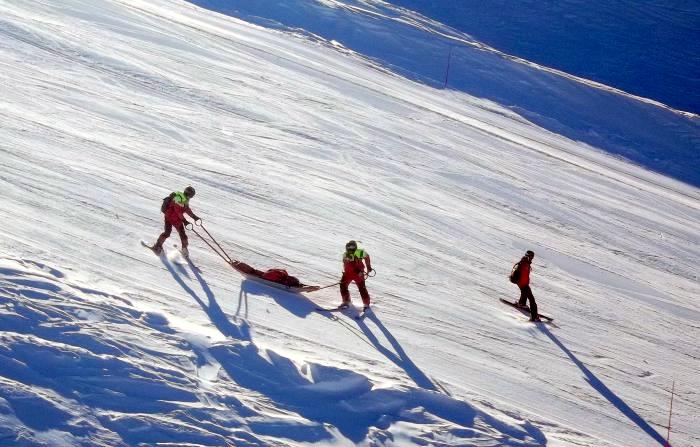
x: 185, y: 223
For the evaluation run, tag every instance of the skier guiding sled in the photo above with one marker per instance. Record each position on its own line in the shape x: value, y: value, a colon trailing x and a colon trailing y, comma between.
x: 174, y: 208
x: 520, y: 275
x: 354, y: 261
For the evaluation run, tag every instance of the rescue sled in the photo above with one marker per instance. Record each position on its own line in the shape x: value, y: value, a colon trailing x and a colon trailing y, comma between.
x: 277, y: 278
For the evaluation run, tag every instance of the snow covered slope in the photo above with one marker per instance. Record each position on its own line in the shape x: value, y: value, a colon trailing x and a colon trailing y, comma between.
x: 420, y: 49
x: 295, y: 147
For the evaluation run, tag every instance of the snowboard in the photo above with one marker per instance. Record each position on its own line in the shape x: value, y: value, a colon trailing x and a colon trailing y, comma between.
x: 526, y: 310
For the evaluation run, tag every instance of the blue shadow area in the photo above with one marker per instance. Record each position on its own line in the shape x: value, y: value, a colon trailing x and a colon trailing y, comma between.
x: 348, y: 401
x: 654, y: 137
x: 240, y: 331
x: 645, y: 47
x: 327, y: 396
x: 295, y: 303
x: 606, y: 392
x: 398, y: 356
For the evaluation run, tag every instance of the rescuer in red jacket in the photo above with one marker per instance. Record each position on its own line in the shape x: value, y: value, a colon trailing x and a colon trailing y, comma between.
x: 354, y: 261
x: 175, y: 206
x: 524, y: 285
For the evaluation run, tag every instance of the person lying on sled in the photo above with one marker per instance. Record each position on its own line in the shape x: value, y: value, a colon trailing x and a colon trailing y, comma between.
x: 279, y: 276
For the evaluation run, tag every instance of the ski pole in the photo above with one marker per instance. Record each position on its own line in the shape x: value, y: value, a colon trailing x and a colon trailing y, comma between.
x: 215, y: 241
x: 221, y: 254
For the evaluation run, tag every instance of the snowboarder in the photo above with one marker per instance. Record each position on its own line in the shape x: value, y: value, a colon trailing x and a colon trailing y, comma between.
x: 354, y: 261
x: 522, y: 271
x: 174, y: 207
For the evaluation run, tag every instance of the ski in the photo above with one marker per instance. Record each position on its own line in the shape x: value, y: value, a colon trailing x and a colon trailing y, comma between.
x: 150, y: 247
x: 331, y: 309
x: 525, y: 309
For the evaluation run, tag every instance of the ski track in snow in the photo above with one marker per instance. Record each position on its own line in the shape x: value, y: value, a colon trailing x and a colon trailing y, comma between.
x: 295, y: 147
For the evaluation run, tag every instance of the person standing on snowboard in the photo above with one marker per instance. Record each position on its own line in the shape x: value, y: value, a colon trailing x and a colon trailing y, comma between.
x: 174, y: 207
x: 523, y: 269
x: 354, y: 261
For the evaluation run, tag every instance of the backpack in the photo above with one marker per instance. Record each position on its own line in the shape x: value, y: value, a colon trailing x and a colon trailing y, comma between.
x: 166, y: 202
x: 515, y: 273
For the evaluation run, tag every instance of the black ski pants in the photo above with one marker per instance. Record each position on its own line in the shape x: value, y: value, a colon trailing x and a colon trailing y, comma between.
x: 525, y: 295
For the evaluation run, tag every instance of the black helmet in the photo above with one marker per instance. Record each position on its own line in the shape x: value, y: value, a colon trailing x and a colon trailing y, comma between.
x: 530, y: 254
x: 351, y: 245
x: 189, y: 192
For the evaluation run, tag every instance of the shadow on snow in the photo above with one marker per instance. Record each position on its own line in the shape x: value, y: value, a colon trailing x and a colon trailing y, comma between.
x: 604, y: 391
x: 330, y: 396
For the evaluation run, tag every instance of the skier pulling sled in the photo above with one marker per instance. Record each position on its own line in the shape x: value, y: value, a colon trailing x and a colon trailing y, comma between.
x: 174, y: 208
x: 176, y: 205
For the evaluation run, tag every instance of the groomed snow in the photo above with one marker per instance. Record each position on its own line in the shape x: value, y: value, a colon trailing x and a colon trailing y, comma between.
x: 295, y: 147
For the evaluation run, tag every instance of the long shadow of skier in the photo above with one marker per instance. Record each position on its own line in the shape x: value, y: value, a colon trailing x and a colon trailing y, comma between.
x: 217, y: 316
x: 398, y: 356
x: 295, y: 303
x: 606, y: 392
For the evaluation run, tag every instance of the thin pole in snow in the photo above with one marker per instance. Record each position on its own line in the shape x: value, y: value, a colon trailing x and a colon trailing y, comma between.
x: 447, y: 71
x: 670, y: 410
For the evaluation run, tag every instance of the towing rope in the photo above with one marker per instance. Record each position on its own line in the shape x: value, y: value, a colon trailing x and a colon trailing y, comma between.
x: 219, y: 250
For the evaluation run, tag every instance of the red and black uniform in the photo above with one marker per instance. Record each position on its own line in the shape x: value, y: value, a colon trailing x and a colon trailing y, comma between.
x: 524, y: 285
x: 354, y: 270
x: 175, y: 212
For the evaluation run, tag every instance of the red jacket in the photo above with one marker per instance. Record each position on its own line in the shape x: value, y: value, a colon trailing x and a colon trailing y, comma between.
x: 524, y: 279
x: 175, y: 213
x: 353, y: 264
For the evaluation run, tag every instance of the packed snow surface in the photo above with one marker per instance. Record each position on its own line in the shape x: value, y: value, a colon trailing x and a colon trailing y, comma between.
x: 296, y: 145
x: 580, y: 109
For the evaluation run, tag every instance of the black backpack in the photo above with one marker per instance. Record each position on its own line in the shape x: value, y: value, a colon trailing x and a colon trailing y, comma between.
x: 166, y: 202
x: 515, y: 273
